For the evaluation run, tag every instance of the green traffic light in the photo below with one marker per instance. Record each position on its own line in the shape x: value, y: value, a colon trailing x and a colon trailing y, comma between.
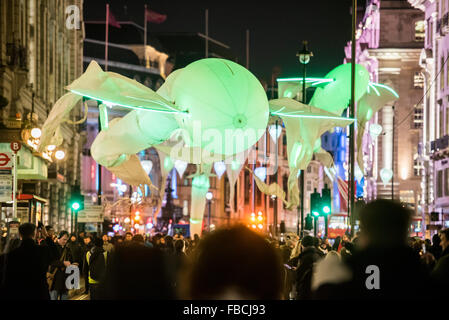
x: 326, y: 209
x: 75, y: 206
x: 316, y: 214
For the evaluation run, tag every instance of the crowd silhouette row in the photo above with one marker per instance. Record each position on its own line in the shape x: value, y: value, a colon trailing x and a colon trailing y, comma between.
x: 234, y: 263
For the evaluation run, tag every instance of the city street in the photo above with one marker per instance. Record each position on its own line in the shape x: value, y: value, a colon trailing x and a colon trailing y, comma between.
x: 164, y: 150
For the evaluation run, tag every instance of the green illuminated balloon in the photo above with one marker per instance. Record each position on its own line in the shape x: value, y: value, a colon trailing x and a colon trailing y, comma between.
x: 336, y: 96
x: 226, y: 104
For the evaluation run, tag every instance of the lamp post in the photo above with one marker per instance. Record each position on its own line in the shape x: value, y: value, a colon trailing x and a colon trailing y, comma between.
x: 304, y: 58
x: 209, y: 197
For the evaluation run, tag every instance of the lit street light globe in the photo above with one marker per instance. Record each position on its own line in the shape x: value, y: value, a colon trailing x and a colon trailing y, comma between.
x: 209, y: 196
x: 59, y: 154
x: 36, y: 133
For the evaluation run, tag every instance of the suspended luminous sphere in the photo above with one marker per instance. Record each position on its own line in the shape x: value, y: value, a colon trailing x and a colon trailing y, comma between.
x: 209, y: 196
x: 147, y: 165
x: 36, y: 133
x: 127, y: 220
x: 385, y: 175
x: 375, y: 130
x: 225, y: 103
x: 180, y: 167
x: 168, y: 163
x: 336, y: 96
x: 59, y: 154
x: 220, y: 168
x: 261, y: 173
x: 51, y: 147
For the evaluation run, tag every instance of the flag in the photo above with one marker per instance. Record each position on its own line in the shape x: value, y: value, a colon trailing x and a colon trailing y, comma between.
x: 112, y: 21
x: 343, y: 191
x: 154, y: 17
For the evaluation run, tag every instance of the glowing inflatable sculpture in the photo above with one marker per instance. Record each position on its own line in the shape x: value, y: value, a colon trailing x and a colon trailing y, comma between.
x: 206, y: 113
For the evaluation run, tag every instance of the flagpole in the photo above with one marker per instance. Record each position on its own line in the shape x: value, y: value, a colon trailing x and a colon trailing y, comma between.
x: 145, y: 37
x: 207, y: 33
x: 107, y: 39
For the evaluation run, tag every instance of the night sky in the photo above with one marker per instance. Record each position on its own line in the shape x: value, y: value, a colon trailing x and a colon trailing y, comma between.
x: 277, y: 28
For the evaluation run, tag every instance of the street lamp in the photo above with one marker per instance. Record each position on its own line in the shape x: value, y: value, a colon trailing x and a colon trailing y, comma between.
x: 304, y: 58
x: 209, y: 197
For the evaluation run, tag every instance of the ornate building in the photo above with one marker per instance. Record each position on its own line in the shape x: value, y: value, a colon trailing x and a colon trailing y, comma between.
x: 390, y: 37
x: 434, y: 84
x: 41, y: 51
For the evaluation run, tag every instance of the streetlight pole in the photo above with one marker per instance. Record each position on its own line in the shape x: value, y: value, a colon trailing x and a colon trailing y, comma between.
x: 304, y: 58
x: 209, y: 197
x: 351, y: 115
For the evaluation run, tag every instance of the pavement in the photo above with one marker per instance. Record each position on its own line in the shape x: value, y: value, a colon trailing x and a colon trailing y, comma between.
x: 78, y: 294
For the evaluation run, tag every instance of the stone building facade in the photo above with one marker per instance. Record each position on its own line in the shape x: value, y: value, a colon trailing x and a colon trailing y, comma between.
x: 435, y: 89
x: 39, y: 55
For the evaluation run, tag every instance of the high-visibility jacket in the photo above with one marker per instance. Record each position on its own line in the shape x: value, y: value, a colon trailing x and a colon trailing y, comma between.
x: 88, y: 254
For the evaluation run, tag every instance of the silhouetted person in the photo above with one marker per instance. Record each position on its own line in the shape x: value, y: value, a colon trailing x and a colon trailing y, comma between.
x: 235, y: 263
x: 384, y: 267
x: 136, y: 272
x: 25, y: 268
x: 435, y: 249
x: 441, y: 271
x: 138, y: 239
x: 304, y: 271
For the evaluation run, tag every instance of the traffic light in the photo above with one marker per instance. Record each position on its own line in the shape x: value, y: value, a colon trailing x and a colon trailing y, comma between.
x: 315, y: 200
x: 309, y: 222
x: 76, y: 199
x: 326, y: 201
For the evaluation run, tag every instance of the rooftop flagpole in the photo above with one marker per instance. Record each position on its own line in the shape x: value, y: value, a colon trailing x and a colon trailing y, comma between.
x: 107, y: 39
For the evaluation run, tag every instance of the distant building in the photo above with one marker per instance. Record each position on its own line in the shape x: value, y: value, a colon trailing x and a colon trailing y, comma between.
x: 39, y: 56
x: 390, y: 38
x: 433, y: 84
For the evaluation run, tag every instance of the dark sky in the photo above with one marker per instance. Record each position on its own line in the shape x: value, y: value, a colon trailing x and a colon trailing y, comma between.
x: 277, y: 28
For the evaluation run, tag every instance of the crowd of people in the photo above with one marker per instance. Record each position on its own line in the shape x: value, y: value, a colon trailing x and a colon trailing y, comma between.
x: 380, y: 261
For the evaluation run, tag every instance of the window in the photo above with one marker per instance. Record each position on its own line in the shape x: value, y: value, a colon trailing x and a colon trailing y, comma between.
x: 446, y: 182
x: 418, y: 80
x: 420, y: 30
x: 417, y: 165
x: 439, y: 183
x: 441, y: 75
x: 418, y: 117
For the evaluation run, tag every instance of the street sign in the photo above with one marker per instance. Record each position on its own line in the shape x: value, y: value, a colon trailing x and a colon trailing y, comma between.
x: 15, y: 146
x: 5, y: 187
x: 91, y: 214
x: 6, y: 160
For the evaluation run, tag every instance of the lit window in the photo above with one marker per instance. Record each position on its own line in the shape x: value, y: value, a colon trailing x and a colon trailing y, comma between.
x: 418, y: 80
x: 418, y: 117
x: 420, y: 30
x: 417, y: 166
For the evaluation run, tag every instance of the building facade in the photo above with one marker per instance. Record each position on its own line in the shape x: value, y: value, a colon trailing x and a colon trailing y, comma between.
x: 40, y: 53
x: 390, y: 38
x: 435, y: 91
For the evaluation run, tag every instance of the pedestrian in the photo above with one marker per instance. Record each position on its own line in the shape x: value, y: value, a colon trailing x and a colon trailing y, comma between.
x: 87, y: 245
x: 136, y: 272
x: 435, y: 249
x: 56, y: 274
x: 107, y: 245
x: 76, y: 249
x: 96, y: 259
x: 441, y: 271
x: 138, y: 240
x: 169, y: 247
x: 244, y: 266
x: 23, y: 270
x: 128, y: 237
x: 383, y: 260
x: 304, y: 271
